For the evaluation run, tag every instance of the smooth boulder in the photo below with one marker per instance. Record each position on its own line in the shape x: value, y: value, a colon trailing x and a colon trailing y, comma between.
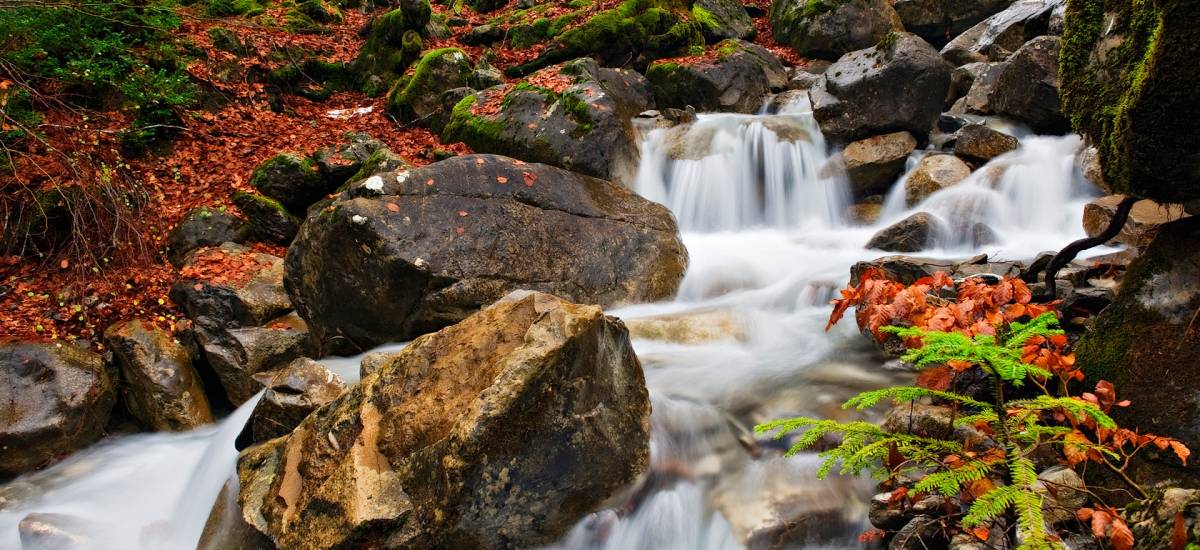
x: 979, y: 143
x: 932, y: 174
x: 912, y: 234
x: 939, y: 20
x: 231, y: 286
x: 736, y: 79
x: 418, y: 96
x: 498, y: 432
x: 1027, y: 88
x: 410, y: 252
x: 293, y: 393
x: 899, y: 84
x: 996, y: 37
x: 57, y: 399
x: 874, y: 163
x: 162, y: 388
x: 244, y: 359
x: 827, y: 30
x: 203, y: 227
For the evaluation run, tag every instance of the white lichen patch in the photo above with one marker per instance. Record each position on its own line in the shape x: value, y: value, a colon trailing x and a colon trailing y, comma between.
x: 358, y: 219
x: 374, y: 183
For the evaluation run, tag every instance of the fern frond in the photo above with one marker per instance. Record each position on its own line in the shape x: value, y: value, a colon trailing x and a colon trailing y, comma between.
x: 942, y: 347
x: 1045, y: 325
x: 1077, y: 407
x: 869, y: 399
x: 951, y: 482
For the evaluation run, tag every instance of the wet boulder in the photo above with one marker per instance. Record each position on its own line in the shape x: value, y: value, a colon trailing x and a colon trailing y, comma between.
x: 231, y: 286
x: 937, y: 21
x: 932, y: 174
x: 202, y: 227
x: 244, y: 358
x: 294, y: 391
x: 56, y: 532
x: 1143, y: 223
x: 998, y: 36
x: 162, y: 388
x: 737, y: 78
x: 267, y: 219
x: 899, y: 84
x: 979, y: 96
x: 723, y: 20
x: 581, y: 122
x: 979, y: 143
x: 435, y: 244
x: 1145, y: 343
x: 57, y: 400
x: 417, y: 97
x: 874, y: 163
x: 912, y: 234
x: 827, y: 30
x: 1027, y: 88
x: 498, y: 432
x: 962, y: 79
x: 1128, y: 80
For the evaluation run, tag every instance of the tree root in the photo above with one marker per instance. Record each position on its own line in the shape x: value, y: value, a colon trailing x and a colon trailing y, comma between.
x: 1069, y: 252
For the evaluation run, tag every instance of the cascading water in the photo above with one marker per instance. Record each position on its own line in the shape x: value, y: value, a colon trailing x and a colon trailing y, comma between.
x: 762, y: 210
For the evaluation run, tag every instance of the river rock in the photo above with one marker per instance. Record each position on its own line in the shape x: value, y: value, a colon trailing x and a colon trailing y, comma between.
x: 688, y: 328
x: 977, y: 143
x: 921, y: 533
x: 723, y: 19
x: 996, y: 37
x: 418, y: 96
x: 829, y: 30
x: 912, y: 234
x: 1153, y: 520
x: 979, y: 97
x: 1027, y: 88
x: 296, y: 390
x: 932, y: 174
x: 268, y: 220
x: 231, y: 286
x: 899, y: 84
x: 1063, y: 492
x: 203, y: 227
x: 938, y: 20
x: 585, y: 126
x: 1129, y: 79
x: 500, y: 431
x: 290, y: 179
x: 874, y: 163
x: 437, y: 243
x: 241, y: 357
x: 55, y: 532
x: 57, y: 399
x: 737, y: 79
x: 161, y: 387
x: 962, y: 79
x: 1144, y: 219
x: 1150, y: 330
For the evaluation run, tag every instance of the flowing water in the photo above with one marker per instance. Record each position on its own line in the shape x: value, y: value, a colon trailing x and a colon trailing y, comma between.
x: 762, y: 209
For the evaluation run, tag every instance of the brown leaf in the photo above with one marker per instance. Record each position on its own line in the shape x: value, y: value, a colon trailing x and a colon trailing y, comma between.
x: 1179, y: 533
x: 1122, y: 537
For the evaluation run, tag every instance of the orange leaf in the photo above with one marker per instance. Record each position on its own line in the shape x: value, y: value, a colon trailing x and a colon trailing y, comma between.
x: 1122, y: 537
x: 530, y: 177
x: 981, y: 533
x: 501, y: 179
x: 935, y: 378
x: 64, y: 264
x: 393, y: 207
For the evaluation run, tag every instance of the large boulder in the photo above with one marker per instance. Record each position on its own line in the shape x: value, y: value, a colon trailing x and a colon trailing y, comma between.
x: 162, y: 388
x: 737, y: 78
x: 932, y: 174
x: 1144, y: 219
x: 1145, y: 342
x: 57, y: 399
x: 912, y: 234
x: 268, y: 220
x: 900, y: 84
x: 577, y: 117
x: 1129, y: 76
x: 996, y: 37
x: 231, y: 286
x: 416, y: 97
x: 827, y: 30
x: 939, y: 20
x: 293, y: 393
x: 979, y: 143
x: 433, y: 245
x: 873, y: 164
x: 723, y: 19
x: 203, y: 227
x: 290, y: 179
x: 498, y: 432
x: 1027, y: 87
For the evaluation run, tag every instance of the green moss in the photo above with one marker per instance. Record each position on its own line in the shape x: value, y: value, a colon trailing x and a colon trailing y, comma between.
x: 705, y: 17
x: 283, y: 163
x: 579, y: 110
x: 392, y: 45
x: 227, y: 8
x: 813, y: 8
x: 267, y: 202
x: 465, y: 126
x: 728, y: 47
x: 408, y: 88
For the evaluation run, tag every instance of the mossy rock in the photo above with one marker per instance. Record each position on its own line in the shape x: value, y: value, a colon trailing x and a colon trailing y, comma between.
x: 418, y: 96
x: 291, y: 179
x: 636, y: 31
x: 723, y: 20
x: 736, y: 79
x: 393, y: 43
x: 1145, y: 342
x: 227, y: 41
x: 827, y: 29
x: 1128, y: 83
x: 228, y: 8
x: 269, y: 221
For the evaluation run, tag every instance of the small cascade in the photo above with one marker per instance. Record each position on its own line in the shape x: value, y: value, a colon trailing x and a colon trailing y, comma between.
x: 728, y: 172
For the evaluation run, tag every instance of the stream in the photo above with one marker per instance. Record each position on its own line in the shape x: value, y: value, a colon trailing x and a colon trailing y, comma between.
x: 763, y: 216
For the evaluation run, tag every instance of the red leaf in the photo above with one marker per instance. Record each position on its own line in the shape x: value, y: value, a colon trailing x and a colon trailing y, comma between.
x: 936, y: 378
x: 530, y: 177
x: 1122, y: 537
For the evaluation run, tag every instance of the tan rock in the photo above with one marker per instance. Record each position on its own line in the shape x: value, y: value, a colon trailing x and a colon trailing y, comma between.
x: 934, y: 173
x: 162, y: 388
x: 1144, y: 219
x: 688, y: 328
x: 874, y: 163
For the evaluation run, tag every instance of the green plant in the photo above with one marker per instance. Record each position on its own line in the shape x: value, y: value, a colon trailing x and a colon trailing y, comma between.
x: 1025, y: 417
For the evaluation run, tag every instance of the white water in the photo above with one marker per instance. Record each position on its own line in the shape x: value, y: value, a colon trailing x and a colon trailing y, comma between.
x: 764, y: 222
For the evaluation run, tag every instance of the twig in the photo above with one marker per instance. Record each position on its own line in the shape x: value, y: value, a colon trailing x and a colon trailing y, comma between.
x: 1069, y: 252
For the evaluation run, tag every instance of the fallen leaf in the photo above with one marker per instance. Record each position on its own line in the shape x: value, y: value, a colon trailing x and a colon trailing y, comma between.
x: 393, y: 207
x: 501, y: 179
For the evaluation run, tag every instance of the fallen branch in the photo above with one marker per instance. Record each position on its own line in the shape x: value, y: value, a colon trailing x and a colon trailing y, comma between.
x: 1069, y: 252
